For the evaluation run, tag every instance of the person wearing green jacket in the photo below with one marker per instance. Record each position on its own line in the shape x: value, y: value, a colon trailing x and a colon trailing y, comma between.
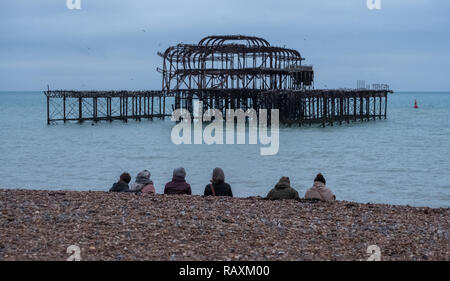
x: 283, y: 190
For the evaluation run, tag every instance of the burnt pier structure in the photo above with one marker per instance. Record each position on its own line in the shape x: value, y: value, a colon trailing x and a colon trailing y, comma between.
x: 80, y: 106
x: 226, y: 72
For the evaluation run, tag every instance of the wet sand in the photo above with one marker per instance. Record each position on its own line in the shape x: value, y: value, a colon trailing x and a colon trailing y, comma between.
x: 41, y: 225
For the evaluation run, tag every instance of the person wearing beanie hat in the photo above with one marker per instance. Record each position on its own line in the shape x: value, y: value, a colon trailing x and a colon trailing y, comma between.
x: 178, y: 185
x: 143, y: 183
x: 179, y: 172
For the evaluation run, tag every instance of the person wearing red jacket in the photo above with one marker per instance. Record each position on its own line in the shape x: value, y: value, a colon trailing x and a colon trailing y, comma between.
x: 178, y: 185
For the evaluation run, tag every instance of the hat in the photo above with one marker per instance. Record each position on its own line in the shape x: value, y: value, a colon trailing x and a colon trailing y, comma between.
x: 179, y: 172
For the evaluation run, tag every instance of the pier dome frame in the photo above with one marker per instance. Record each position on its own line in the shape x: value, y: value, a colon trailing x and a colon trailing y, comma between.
x: 233, y: 62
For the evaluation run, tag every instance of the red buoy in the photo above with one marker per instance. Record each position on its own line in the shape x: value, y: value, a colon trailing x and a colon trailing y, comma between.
x: 415, y: 104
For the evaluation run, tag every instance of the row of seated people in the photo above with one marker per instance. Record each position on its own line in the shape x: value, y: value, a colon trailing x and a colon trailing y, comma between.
x: 218, y: 186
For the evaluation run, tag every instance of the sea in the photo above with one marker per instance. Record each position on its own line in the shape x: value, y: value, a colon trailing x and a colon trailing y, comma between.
x: 401, y: 160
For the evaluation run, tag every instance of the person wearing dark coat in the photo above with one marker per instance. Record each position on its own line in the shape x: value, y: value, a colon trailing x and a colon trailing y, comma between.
x: 178, y: 185
x: 283, y: 190
x: 122, y: 184
x: 219, y: 186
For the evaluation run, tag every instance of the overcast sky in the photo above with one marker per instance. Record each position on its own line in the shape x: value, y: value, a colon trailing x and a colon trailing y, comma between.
x: 112, y: 44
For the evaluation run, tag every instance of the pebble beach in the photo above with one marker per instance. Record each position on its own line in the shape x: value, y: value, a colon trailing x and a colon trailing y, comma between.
x: 41, y: 225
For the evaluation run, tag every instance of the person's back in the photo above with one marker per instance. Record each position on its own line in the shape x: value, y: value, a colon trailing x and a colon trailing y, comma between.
x: 178, y: 185
x: 220, y: 189
x: 282, y: 190
x: 219, y: 186
x: 320, y: 191
x: 122, y: 184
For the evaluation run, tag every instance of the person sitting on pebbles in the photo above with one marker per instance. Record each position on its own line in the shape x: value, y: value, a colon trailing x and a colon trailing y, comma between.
x: 218, y: 186
x: 283, y: 190
x: 122, y: 184
x: 143, y: 183
x: 178, y: 185
x: 319, y: 190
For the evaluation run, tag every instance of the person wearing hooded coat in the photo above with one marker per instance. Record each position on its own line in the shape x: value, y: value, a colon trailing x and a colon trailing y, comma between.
x: 319, y: 190
x: 218, y: 184
x: 178, y: 185
x: 143, y: 183
x: 283, y: 190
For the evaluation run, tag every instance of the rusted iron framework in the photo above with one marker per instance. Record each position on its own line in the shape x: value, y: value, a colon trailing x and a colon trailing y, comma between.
x: 95, y: 106
x: 226, y: 72
x: 233, y: 62
x: 295, y: 106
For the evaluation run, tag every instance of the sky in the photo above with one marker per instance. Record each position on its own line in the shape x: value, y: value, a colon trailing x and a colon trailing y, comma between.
x: 113, y: 44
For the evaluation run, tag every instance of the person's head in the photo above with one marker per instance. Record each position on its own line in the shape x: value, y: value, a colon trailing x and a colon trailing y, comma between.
x: 125, y: 177
x: 283, y: 183
x: 179, y: 172
x: 285, y: 179
x: 320, y: 178
x: 143, y: 177
x: 218, y: 176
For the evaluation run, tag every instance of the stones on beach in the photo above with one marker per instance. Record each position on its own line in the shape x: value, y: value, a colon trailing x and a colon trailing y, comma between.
x: 41, y: 225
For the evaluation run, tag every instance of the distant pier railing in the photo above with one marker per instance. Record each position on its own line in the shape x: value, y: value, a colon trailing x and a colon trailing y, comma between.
x: 96, y: 106
x: 325, y: 107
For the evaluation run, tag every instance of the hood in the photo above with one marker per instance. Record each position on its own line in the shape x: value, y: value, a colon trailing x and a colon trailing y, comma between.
x: 143, y: 178
x: 179, y: 173
x: 282, y: 184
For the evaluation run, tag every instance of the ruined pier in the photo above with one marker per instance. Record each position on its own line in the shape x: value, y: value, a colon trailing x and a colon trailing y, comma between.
x: 226, y: 72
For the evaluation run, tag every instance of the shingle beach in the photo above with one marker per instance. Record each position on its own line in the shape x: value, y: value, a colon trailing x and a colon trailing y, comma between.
x: 41, y: 225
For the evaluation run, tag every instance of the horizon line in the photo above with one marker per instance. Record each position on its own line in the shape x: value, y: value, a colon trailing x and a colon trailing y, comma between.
x: 43, y: 90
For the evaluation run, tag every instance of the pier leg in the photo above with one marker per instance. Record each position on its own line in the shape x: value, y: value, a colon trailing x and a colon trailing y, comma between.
x: 126, y: 109
x: 368, y: 108
x: 361, y: 108
x: 153, y: 98
x: 48, y: 110
x: 80, y: 110
x: 64, y: 108
x: 164, y: 108
x: 94, y: 109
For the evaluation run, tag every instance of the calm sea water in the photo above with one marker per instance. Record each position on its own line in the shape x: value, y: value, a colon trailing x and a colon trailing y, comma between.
x: 401, y: 160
